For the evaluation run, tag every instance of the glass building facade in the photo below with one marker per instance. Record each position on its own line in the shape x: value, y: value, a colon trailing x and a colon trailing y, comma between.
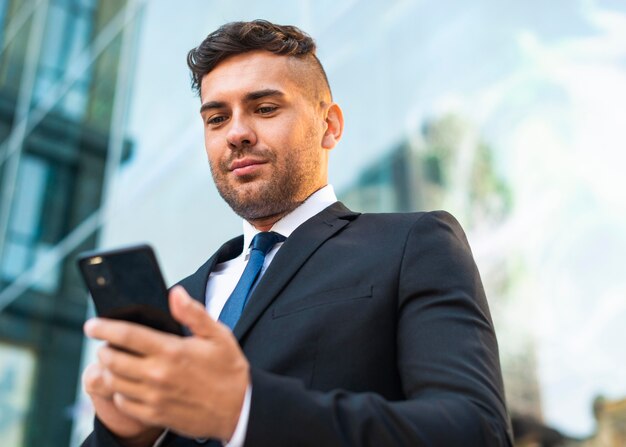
x: 60, y: 66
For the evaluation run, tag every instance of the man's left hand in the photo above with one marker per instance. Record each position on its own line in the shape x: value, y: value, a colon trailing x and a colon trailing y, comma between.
x: 192, y: 385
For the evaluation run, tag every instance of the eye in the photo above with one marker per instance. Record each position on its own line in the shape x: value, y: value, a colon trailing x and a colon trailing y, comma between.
x: 266, y: 110
x: 216, y: 120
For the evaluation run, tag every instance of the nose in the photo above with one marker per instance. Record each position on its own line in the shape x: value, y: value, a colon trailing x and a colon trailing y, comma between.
x: 240, y: 134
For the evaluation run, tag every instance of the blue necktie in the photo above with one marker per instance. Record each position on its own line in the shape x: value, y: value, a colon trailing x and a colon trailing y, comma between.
x: 261, y: 244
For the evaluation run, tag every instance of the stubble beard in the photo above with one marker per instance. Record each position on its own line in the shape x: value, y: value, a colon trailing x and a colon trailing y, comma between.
x: 289, y: 185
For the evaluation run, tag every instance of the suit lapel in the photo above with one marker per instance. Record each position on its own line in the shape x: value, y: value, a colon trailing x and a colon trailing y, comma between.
x: 196, y: 283
x: 292, y: 255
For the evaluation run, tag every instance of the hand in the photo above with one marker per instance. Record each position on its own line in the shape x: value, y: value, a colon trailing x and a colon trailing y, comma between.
x: 130, y: 431
x: 193, y: 385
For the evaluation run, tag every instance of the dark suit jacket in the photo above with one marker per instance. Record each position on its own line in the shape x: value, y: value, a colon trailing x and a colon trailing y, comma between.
x: 368, y: 330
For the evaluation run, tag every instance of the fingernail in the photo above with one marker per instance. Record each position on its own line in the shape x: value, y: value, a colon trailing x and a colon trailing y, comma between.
x: 90, y: 325
x: 182, y: 298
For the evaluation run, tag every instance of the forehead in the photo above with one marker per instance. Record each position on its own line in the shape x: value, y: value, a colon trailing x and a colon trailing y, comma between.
x: 248, y: 72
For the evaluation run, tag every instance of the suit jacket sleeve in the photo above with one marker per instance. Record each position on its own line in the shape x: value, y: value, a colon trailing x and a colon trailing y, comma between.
x: 447, y: 359
x: 100, y: 437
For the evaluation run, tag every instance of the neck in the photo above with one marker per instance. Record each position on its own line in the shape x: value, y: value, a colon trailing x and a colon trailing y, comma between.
x: 266, y: 223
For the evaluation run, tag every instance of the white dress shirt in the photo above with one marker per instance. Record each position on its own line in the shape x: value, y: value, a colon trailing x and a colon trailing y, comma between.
x: 225, y: 276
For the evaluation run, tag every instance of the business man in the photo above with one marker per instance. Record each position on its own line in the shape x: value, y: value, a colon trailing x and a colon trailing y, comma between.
x: 335, y: 328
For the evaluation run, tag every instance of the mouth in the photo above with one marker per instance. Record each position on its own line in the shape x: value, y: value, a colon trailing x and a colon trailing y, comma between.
x: 245, y: 166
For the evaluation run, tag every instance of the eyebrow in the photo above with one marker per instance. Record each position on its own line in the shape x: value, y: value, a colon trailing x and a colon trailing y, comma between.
x: 252, y: 96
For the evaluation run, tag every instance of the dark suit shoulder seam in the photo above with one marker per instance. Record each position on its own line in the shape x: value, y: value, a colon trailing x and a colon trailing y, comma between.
x: 406, y: 243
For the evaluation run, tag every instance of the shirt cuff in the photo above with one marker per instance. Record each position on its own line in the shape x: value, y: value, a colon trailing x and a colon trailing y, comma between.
x: 239, y: 436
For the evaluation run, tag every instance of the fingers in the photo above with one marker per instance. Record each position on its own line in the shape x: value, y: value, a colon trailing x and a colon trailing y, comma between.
x: 133, y: 337
x: 121, y: 363
x: 192, y: 314
x: 137, y: 391
x: 94, y: 383
x: 139, y: 410
x: 111, y: 394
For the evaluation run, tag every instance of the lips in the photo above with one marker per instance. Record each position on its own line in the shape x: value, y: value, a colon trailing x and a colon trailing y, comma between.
x: 245, y: 166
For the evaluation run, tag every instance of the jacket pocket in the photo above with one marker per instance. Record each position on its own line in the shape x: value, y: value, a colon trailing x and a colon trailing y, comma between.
x: 326, y: 298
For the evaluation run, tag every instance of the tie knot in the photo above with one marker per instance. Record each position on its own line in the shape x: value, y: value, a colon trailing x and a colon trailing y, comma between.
x: 265, y: 240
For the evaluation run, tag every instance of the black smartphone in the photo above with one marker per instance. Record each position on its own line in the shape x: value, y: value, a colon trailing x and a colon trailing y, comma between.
x: 127, y: 284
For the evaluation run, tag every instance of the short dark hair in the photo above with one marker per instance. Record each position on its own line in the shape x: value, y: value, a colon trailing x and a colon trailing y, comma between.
x: 241, y: 37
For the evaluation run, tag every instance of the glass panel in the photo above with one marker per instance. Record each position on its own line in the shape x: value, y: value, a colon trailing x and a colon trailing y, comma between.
x: 61, y: 3
x: 3, y: 8
x: 43, y: 85
x: 85, y: 4
x: 30, y: 236
x: 25, y: 216
x: 17, y: 366
x: 31, y: 187
x: 49, y: 280
x: 16, y: 257
x: 68, y: 33
x: 75, y: 102
x: 52, y: 46
x: 80, y: 37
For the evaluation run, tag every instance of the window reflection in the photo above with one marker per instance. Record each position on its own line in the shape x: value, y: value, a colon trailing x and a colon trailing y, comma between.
x: 68, y: 32
x: 33, y: 229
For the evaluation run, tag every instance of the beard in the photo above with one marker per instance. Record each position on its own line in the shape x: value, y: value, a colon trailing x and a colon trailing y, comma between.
x: 292, y: 180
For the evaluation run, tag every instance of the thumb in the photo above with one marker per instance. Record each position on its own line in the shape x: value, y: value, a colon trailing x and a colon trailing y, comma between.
x: 191, y: 313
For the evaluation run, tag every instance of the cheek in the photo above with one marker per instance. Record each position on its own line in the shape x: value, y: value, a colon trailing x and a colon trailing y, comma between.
x: 212, y: 150
x: 281, y: 132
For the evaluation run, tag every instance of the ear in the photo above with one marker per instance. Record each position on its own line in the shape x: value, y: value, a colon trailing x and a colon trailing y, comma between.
x: 334, y: 126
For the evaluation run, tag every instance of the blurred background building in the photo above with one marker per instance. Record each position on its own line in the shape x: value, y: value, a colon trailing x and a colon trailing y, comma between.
x: 509, y: 116
x: 61, y: 65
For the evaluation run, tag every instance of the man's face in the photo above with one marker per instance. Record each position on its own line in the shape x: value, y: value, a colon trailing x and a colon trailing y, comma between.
x: 263, y: 134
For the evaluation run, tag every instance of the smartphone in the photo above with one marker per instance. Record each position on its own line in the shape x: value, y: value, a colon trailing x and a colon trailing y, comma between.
x: 126, y: 284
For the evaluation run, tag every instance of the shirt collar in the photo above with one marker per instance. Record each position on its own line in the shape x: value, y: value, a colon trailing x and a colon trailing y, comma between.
x: 315, y: 203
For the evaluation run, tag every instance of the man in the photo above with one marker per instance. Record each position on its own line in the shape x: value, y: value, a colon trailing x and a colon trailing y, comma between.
x: 354, y: 329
